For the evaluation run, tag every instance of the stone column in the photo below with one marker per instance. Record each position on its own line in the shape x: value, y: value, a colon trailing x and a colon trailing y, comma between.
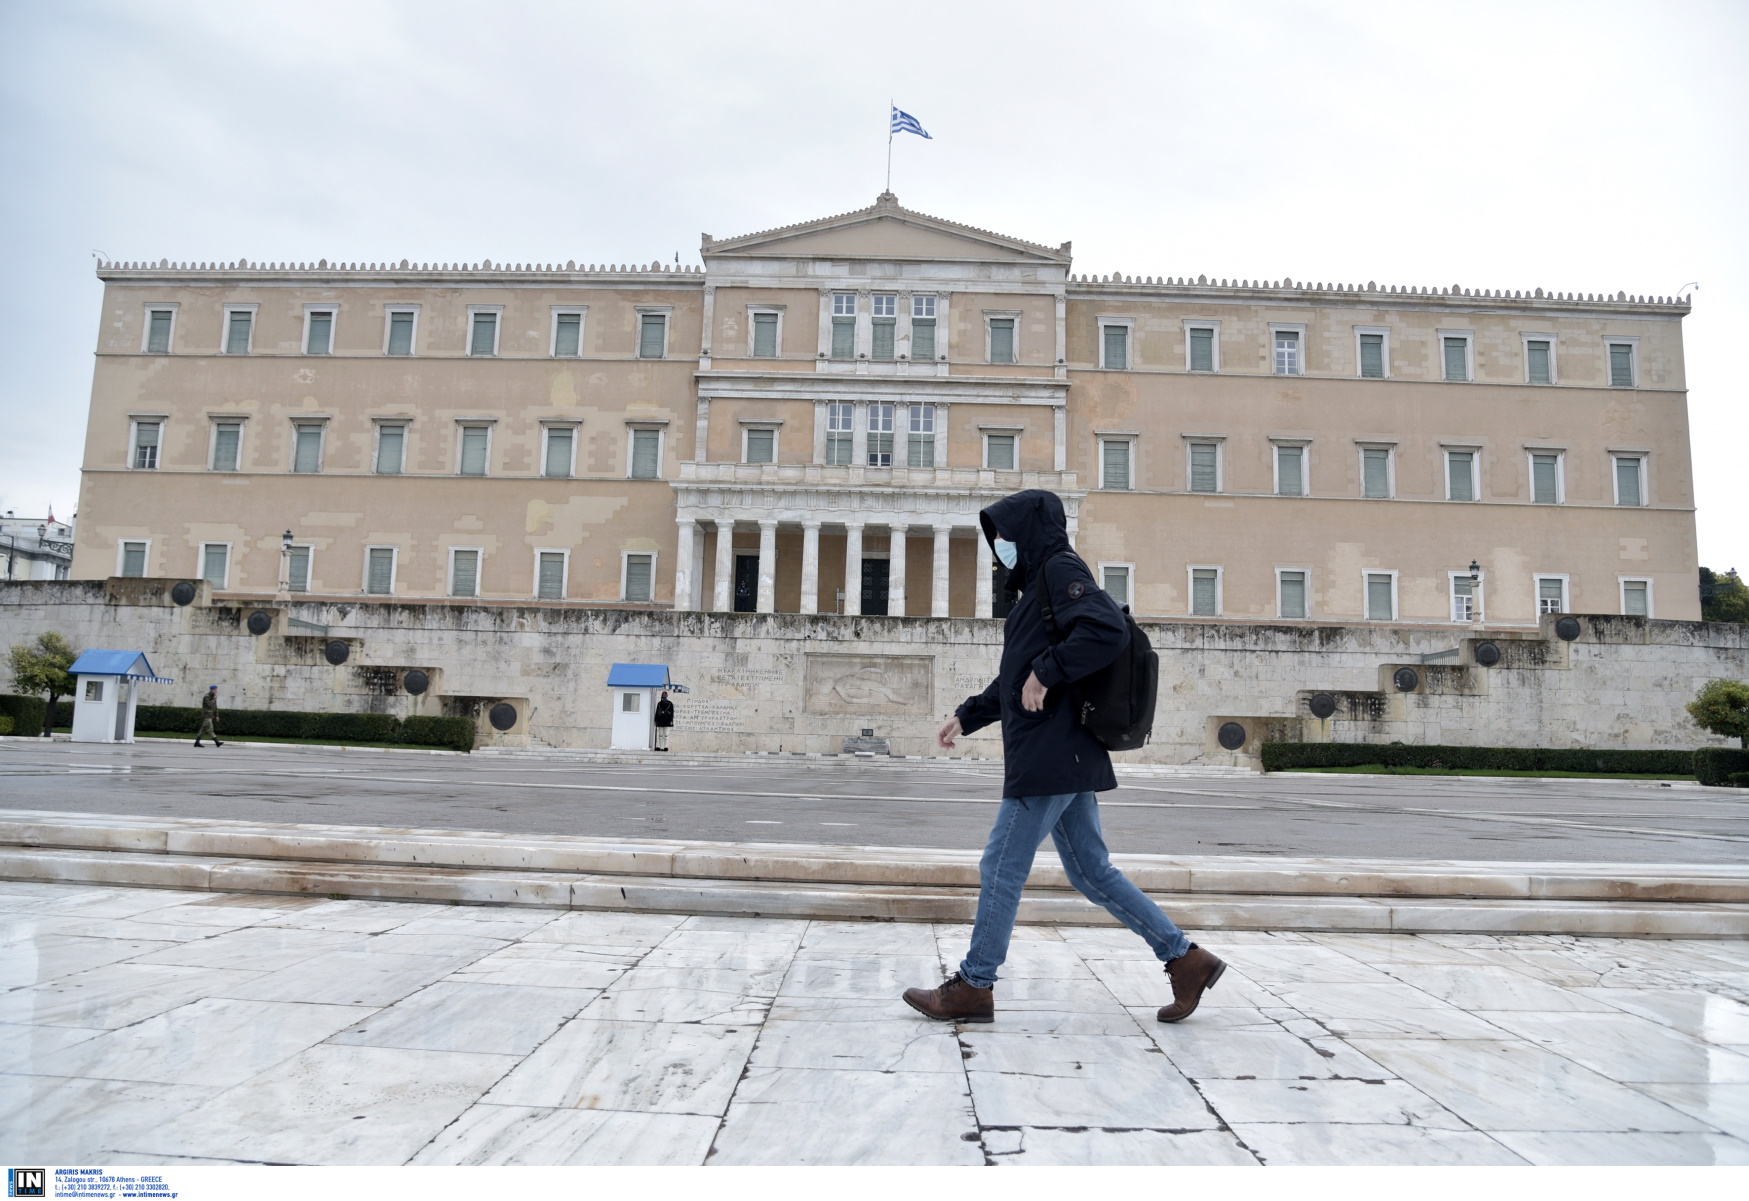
x: 767, y: 602
x: 939, y: 593
x: 853, y: 567
x: 896, y: 571
x: 810, y: 567
x: 725, y: 598
x: 683, y: 563
x: 985, y: 560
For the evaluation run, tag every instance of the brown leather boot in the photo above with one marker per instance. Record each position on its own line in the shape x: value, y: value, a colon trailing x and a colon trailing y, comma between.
x: 1192, y: 974
x: 954, y: 1001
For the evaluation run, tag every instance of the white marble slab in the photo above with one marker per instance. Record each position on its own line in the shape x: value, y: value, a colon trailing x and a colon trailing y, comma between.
x: 1490, y: 988
x: 1301, y: 963
x: 54, y: 1119
x: 488, y: 921
x: 1115, y: 1148
x: 254, y: 948
x: 118, y: 995
x: 784, y: 1116
x: 23, y: 1047
x: 756, y: 957
x: 830, y: 940
x: 661, y: 994
x: 38, y: 959
x: 346, y: 977
x: 1722, y: 1106
x: 899, y: 1044
x: 1625, y: 1149
x: 757, y: 929
x: 517, y: 1135
x: 359, y: 917
x: 1376, y: 950
x: 1328, y: 1144
x: 609, y: 929
x: 1144, y: 982
x: 492, y: 1019
x: 1703, y: 1015
x: 857, y: 977
x: 550, y: 964
x: 1358, y: 1102
x: 1076, y: 1080
x: 648, y: 1067
x: 1383, y: 1011
x: 1625, y: 1047
x: 1202, y: 1053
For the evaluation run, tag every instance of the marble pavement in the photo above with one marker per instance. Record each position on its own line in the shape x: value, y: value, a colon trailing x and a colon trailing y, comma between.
x: 149, y: 1026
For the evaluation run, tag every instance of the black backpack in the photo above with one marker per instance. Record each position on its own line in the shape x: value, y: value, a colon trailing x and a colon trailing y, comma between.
x: 1115, y: 703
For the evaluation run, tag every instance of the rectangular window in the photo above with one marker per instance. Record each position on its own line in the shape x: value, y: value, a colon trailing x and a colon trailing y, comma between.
x: 319, y: 332
x: 1372, y: 356
x: 550, y: 575
x: 483, y: 340
x: 379, y: 577
x: 464, y: 573
x: 158, y: 323
x: 1381, y: 600
x: 1287, y: 352
x: 880, y: 435
x: 1636, y: 598
x: 652, y: 335
x: 646, y: 454
x: 1205, y: 592
x: 146, y: 435
x: 133, y: 559
x: 1116, y: 346
x: 840, y: 435
x: 215, y: 562
x: 1551, y: 595
x: 884, y: 325
x: 475, y: 441
x: 920, y: 451
x: 762, y: 446
x: 238, y: 324
x: 765, y: 335
x: 999, y: 452
x: 1291, y: 586
x: 1205, y: 467
x: 94, y: 690
x: 1630, y: 480
x: 401, y: 333
x: 1463, y: 598
x: 298, y: 569
x: 1117, y: 582
x: 843, y: 325
x: 1202, y: 349
x: 567, y: 335
x: 1114, y: 463
x: 1290, y: 471
x: 557, y: 463
x: 1537, y: 362
x: 1621, y: 365
x: 640, y: 569
x: 1545, y: 479
x: 1460, y: 475
x: 227, y: 441
x: 1457, y: 359
x: 391, y: 449
x: 923, y: 327
x: 307, y: 447
x: 1375, y: 473
x: 1002, y: 339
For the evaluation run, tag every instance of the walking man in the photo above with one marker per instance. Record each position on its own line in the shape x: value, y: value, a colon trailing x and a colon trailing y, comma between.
x: 209, y: 714
x: 1053, y: 765
x: 664, y: 720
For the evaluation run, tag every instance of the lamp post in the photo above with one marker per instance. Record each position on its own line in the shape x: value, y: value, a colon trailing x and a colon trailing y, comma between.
x: 285, y: 545
x: 1476, y: 592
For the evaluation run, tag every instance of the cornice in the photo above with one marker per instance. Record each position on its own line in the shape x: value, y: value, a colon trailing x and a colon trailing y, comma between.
x: 1456, y: 298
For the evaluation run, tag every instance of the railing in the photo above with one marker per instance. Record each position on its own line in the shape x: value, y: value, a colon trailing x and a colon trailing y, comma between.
x: 802, y: 475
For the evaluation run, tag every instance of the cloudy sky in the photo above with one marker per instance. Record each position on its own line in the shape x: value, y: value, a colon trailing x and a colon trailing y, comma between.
x: 1589, y: 146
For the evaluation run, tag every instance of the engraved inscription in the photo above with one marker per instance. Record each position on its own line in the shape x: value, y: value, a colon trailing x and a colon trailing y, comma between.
x: 709, y: 717
x: 739, y: 676
x: 868, y: 685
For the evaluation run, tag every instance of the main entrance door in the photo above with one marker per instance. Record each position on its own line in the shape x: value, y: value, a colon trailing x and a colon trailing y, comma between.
x: 874, y: 586
x: 746, y: 583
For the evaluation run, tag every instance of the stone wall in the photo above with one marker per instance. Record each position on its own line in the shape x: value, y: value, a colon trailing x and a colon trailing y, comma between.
x: 792, y: 683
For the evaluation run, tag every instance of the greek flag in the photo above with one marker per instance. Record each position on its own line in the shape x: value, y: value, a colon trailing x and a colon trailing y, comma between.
x: 904, y: 122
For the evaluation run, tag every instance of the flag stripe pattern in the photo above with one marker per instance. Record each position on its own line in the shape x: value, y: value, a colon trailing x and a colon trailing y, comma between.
x: 904, y: 122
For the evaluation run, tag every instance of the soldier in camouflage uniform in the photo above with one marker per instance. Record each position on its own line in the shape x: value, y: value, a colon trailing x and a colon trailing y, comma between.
x: 209, y: 713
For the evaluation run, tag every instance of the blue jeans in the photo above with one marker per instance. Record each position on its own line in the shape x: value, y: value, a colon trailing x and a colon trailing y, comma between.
x: 1073, y: 821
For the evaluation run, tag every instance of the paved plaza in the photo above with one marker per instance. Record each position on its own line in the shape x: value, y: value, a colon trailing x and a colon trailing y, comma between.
x: 153, y: 1026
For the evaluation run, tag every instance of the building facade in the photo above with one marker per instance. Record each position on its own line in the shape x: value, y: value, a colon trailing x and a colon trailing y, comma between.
x: 810, y: 422
x: 36, y: 548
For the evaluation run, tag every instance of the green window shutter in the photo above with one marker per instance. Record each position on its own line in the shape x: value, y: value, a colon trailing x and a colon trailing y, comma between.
x: 1627, y: 482
x: 638, y: 576
x: 1634, y: 600
x: 1117, y: 347
x: 382, y: 571
x: 1002, y: 339
x: 485, y: 336
x: 214, y: 561
x: 558, y: 464
x: 1375, y: 474
x: 321, y: 334
x: 1001, y: 452
x: 158, y: 332
x: 401, y: 333
x: 1457, y: 359
x: 882, y: 345
x: 1117, y: 584
x: 765, y: 335
x: 1621, y: 365
x: 237, y: 333
x: 464, y: 573
x: 1116, y: 464
x: 921, y: 451
x: 552, y: 576
x: 839, y: 448
x: 1378, y: 597
x: 1372, y: 356
x: 1202, y: 592
x: 474, y: 442
x: 1537, y: 362
x: 568, y: 336
x: 133, y: 559
x: 1293, y: 594
x: 759, y: 445
x: 652, y: 335
x: 226, y: 437
x: 307, y: 456
x: 646, y: 454
x: 1202, y: 350
x: 923, y: 338
x: 1204, y: 467
x: 1460, y: 466
x: 298, y: 569
x: 1543, y: 483
x: 391, y: 449
x: 844, y: 337
x: 1290, y: 470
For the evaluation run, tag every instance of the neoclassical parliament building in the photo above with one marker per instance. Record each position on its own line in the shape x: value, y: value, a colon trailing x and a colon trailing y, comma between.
x: 810, y: 422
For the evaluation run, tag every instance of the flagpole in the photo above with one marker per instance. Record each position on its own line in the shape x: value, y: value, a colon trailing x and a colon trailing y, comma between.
x: 889, y: 146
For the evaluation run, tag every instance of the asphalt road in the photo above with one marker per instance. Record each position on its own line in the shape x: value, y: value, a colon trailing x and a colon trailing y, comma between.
x: 882, y: 804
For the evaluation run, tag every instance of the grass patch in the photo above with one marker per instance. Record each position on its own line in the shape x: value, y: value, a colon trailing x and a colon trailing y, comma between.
x: 1379, y: 769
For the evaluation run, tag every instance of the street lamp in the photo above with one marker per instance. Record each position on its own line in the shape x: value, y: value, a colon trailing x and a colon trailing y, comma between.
x: 285, y: 545
x: 1475, y: 591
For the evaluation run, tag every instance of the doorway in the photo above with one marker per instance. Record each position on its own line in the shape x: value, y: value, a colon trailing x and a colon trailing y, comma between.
x: 746, y: 583
x: 875, y: 575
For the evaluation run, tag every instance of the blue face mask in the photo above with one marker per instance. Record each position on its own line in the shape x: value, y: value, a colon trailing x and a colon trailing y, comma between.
x: 1007, y: 552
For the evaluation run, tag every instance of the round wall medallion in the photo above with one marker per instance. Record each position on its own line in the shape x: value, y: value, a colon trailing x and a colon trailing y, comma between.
x: 1567, y: 629
x: 416, y: 682
x: 1322, y: 705
x: 502, y: 716
x: 260, y: 622
x: 182, y: 593
x: 1407, y: 679
x: 337, y: 652
x: 1487, y: 653
x: 1231, y: 735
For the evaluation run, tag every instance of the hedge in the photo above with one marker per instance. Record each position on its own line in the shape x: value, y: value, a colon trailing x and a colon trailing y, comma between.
x: 1284, y: 756
x: 5, y: 725
x: 456, y: 733
x: 1716, y: 765
x: 26, y: 712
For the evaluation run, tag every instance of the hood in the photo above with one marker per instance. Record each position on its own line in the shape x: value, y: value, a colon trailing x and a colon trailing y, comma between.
x: 1034, y: 521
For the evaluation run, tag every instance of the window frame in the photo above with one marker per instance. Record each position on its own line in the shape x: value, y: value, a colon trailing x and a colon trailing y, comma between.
x: 754, y: 312
x: 564, y: 573
x: 1380, y: 331
x: 309, y: 549
x: 775, y: 425
x: 1219, y: 443
x: 625, y: 558
x: 1128, y: 324
x: 1468, y: 337
x: 1214, y: 327
x: 1129, y: 439
x: 933, y: 436
x: 200, y: 565
x: 632, y: 430
x: 1390, y: 449
x: 121, y: 557
x: 390, y: 311
x: 1306, y: 582
x: 214, y: 420
x: 462, y: 425
x: 937, y: 317
x: 1304, y: 446
x: 1190, y: 570
x: 161, y: 306
x: 1525, y: 338
x: 1644, y: 460
x: 1632, y: 342
x: 135, y: 420
x: 1560, y: 454
x: 1366, y: 574
x: 1014, y: 432
x: 1295, y: 327
x: 297, y: 424
x: 479, y: 570
x: 394, y: 568
x: 331, y: 308
x: 1446, y: 450
x: 830, y: 304
x: 225, y: 328
x: 1621, y: 591
x: 1477, y: 595
x: 404, y: 424
x: 869, y: 431
x: 476, y: 311
x: 1130, y: 579
x: 1010, y: 315
x: 643, y: 311
x: 547, y: 427
x: 846, y: 436
x: 1536, y: 581
x: 579, y: 311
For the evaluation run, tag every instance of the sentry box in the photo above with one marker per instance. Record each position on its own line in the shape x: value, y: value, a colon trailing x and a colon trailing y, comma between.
x: 635, y: 688
x: 106, y: 693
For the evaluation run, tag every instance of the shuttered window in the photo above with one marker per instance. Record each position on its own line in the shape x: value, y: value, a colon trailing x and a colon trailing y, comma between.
x: 1292, y: 586
x: 1621, y: 365
x: 1457, y: 359
x: 1463, y: 600
x: 550, y: 584
x: 1290, y: 471
x: 1536, y: 362
x: 1379, y: 599
x: 923, y: 327
x: 921, y: 449
x: 1287, y: 352
x: 391, y: 449
x: 1205, y: 467
x: 1114, y: 467
x: 1117, y: 584
x: 1545, y: 476
x: 1204, y: 592
x: 1202, y: 350
x: 1551, y: 595
x: 237, y: 327
x: 475, y: 439
x: 646, y: 454
x: 215, y: 560
x: 321, y: 334
x: 1002, y: 339
x: 298, y: 569
x: 1372, y: 356
x: 158, y: 323
x: 400, y: 333
x: 133, y: 559
x: 227, y: 439
x: 638, y: 575
x: 1627, y: 481
x: 880, y: 435
x: 1635, y: 599
x: 1460, y: 468
x: 652, y: 335
x: 307, y: 451
x: 380, y: 578
x: 464, y: 573
x: 1117, y: 347
x: 765, y: 335
x: 999, y: 452
x: 146, y: 445
x: 568, y: 335
x: 840, y: 437
x: 843, y: 337
x: 1375, y: 474
x: 884, y: 326
x: 558, y: 458
x: 760, y: 446
x: 483, y: 341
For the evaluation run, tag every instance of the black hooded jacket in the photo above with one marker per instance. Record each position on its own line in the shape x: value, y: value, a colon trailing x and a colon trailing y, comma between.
x: 1047, y: 752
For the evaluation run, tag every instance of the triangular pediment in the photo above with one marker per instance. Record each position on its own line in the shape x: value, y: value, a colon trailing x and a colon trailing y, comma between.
x: 885, y: 231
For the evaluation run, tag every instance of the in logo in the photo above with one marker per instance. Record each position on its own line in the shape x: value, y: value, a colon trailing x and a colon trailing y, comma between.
x: 27, y: 1182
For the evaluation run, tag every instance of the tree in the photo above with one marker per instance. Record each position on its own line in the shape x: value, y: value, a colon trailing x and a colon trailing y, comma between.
x: 1723, y: 596
x: 1722, y: 708
x: 41, y: 666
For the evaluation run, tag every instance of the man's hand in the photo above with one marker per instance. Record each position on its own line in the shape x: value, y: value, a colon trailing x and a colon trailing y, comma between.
x: 1032, y: 695
x: 949, y: 731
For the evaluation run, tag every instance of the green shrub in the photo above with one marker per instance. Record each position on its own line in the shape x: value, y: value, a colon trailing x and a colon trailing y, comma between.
x: 5, y: 725
x: 1722, y: 708
x: 1739, y: 779
x: 26, y: 712
x: 457, y: 733
x: 1285, y: 756
x: 64, y: 714
x: 1716, y: 765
